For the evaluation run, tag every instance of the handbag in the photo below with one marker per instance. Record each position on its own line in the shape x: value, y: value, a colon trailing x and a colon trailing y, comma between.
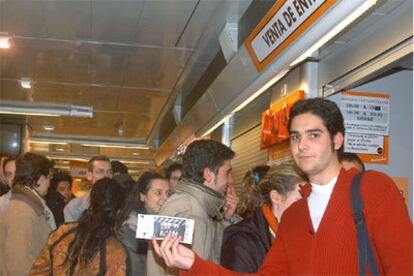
x: 365, y: 252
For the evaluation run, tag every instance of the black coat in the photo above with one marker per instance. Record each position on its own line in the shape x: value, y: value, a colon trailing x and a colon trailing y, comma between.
x: 56, y: 203
x: 246, y: 243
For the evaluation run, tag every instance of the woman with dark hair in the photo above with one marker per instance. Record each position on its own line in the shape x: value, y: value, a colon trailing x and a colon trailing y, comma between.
x: 146, y: 197
x: 59, y: 194
x: 90, y: 246
x: 245, y: 244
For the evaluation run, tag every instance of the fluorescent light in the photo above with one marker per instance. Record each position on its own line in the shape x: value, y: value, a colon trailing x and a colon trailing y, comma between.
x: 67, y: 158
x: 261, y: 90
x: 48, y: 142
x: 26, y: 83
x: 335, y: 30
x: 44, y: 109
x: 5, y: 42
x: 136, y: 153
x: 116, y: 146
x: 217, y: 125
x: 49, y: 127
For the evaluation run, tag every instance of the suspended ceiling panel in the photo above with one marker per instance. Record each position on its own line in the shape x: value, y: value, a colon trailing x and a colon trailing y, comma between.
x: 126, y: 59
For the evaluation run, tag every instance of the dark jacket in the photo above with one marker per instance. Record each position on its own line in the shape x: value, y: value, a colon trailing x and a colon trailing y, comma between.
x: 136, y: 248
x: 3, y: 188
x: 56, y: 203
x: 246, y: 243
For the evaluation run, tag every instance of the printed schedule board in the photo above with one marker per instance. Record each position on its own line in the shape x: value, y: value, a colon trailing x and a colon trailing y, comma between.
x: 366, y: 117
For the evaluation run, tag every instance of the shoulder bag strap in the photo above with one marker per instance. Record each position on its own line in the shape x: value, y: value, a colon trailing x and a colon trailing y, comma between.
x: 365, y: 252
x: 102, y: 259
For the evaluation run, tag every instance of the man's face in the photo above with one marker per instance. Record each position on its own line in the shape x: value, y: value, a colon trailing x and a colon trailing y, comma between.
x: 311, y: 146
x: 175, y: 179
x: 9, y: 172
x: 100, y: 170
x: 223, y: 178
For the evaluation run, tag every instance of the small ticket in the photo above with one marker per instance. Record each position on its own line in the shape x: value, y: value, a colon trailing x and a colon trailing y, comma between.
x: 160, y: 226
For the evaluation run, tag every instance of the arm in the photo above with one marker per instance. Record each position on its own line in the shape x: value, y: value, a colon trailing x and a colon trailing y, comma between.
x: 70, y: 211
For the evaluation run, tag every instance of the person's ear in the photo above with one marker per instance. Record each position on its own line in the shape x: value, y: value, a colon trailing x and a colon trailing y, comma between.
x: 208, y: 175
x: 141, y: 197
x: 338, y: 140
x: 89, y: 175
x: 275, y: 197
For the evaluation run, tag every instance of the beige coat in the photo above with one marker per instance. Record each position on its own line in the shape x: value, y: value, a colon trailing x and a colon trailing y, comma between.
x: 200, y: 203
x: 23, y: 232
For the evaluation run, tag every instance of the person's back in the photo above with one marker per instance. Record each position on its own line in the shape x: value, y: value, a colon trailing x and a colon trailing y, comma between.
x: 89, y: 247
x: 57, y: 248
x: 26, y: 222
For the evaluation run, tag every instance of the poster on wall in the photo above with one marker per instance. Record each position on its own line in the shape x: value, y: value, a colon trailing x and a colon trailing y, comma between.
x: 275, y: 121
x: 366, y: 117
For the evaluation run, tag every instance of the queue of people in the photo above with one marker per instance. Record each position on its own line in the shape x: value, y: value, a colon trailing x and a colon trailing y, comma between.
x: 292, y: 218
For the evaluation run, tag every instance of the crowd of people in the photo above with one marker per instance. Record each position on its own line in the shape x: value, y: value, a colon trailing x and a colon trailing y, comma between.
x: 290, y: 218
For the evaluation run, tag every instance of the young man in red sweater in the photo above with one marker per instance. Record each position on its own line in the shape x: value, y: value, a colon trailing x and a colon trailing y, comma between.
x: 317, y: 235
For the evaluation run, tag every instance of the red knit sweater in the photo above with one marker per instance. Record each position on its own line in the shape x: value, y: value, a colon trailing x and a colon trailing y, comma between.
x: 333, y: 248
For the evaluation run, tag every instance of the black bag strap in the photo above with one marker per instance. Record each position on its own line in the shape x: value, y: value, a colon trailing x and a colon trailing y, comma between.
x: 365, y: 252
x: 102, y: 258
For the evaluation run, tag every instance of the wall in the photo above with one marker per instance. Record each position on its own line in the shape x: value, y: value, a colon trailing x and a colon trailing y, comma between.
x: 400, y: 88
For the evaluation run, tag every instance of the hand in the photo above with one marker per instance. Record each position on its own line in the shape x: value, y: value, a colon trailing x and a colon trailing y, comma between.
x: 173, y: 253
x: 230, y: 202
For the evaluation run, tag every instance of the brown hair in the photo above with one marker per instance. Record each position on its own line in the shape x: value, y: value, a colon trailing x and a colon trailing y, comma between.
x: 281, y: 178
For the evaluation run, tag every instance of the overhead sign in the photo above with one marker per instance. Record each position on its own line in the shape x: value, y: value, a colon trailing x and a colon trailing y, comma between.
x: 281, y: 26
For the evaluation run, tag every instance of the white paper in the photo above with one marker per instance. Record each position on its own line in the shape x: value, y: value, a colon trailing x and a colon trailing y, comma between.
x: 159, y: 226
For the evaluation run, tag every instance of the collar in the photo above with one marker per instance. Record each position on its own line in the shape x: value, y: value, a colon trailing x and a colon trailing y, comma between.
x: 23, y: 193
x: 210, y: 200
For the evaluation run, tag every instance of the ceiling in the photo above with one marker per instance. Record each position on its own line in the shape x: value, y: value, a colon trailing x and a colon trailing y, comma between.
x: 125, y: 59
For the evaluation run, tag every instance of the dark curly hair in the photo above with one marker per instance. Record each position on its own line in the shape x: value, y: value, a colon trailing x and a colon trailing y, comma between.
x: 102, y: 219
x: 172, y: 168
x: 59, y: 177
x: 325, y: 109
x: 203, y: 154
x: 29, y: 168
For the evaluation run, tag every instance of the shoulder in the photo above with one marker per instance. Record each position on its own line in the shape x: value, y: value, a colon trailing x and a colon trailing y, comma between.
x: 374, y: 183
x: 180, y: 203
x: 63, y: 230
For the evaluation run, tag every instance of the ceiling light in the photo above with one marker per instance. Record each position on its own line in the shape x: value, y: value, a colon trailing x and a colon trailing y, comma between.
x: 44, y: 109
x: 335, y: 30
x: 48, y: 142
x: 116, y: 146
x: 261, y: 90
x: 26, y: 83
x: 217, y: 125
x: 49, y: 127
x: 136, y: 153
x: 5, y: 42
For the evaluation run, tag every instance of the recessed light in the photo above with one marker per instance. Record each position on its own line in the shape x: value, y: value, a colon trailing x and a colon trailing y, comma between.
x: 5, y: 42
x: 26, y: 83
x: 48, y: 127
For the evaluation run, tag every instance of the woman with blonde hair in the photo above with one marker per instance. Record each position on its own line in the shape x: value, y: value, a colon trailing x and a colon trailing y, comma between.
x: 246, y: 243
